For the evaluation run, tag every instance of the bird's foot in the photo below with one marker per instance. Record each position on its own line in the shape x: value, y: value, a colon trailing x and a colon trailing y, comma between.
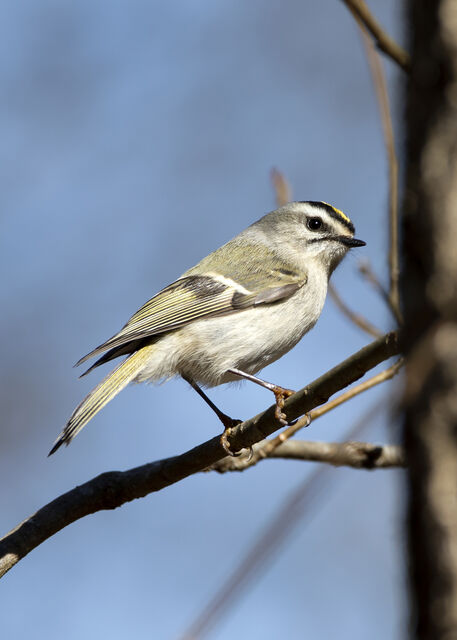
x: 280, y: 396
x: 229, y: 425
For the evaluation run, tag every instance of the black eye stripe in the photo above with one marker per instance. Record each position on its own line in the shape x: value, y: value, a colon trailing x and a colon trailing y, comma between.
x: 319, y: 239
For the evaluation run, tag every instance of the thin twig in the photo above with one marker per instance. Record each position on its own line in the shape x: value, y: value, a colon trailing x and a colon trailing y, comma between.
x: 359, y: 9
x: 380, y: 85
x: 354, y: 317
x: 358, y: 455
x: 281, y: 186
x: 265, y: 449
x: 112, y: 489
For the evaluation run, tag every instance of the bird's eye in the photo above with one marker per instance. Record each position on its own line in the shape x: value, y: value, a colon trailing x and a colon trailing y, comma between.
x: 314, y: 224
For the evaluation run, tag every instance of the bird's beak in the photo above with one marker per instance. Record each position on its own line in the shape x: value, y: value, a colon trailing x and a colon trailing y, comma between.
x: 351, y: 242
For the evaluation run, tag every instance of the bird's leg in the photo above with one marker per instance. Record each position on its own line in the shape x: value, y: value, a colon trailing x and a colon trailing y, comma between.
x: 280, y: 393
x: 226, y: 420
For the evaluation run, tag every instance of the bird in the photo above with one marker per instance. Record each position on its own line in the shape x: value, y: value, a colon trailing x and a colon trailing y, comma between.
x: 238, y: 310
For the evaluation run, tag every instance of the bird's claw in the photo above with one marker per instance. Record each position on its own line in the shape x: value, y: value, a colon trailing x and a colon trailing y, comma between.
x: 229, y: 425
x: 280, y: 396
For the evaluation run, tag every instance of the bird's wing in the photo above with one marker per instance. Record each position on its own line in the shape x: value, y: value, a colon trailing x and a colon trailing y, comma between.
x: 198, y: 296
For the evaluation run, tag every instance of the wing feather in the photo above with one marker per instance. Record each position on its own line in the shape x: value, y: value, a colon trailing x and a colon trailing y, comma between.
x: 188, y: 299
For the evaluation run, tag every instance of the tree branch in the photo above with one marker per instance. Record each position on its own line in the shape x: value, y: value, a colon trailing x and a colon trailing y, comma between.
x: 266, y: 448
x: 112, y: 489
x: 384, y: 42
x: 380, y: 85
x: 359, y: 455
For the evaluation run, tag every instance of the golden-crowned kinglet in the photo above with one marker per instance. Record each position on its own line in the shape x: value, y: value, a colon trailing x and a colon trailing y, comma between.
x: 239, y: 309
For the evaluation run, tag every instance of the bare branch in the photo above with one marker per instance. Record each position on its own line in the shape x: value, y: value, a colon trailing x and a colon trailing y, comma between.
x: 384, y: 42
x: 112, y: 489
x: 387, y: 374
x: 266, y: 449
x: 383, y: 376
x: 380, y: 85
x: 359, y: 455
x: 354, y: 317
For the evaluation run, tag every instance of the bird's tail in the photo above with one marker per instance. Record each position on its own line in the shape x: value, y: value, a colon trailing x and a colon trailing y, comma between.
x: 102, y: 394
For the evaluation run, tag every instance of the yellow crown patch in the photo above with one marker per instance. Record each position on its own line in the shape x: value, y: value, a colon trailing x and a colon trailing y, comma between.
x: 338, y: 212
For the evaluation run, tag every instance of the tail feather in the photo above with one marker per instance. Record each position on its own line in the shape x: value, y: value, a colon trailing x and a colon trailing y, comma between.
x: 117, y: 352
x: 102, y: 394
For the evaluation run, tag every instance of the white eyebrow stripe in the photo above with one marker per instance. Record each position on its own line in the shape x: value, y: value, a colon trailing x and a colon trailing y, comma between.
x: 335, y: 224
x: 228, y: 282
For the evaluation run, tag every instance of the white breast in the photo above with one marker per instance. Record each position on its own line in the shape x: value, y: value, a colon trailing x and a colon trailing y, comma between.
x: 251, y: 339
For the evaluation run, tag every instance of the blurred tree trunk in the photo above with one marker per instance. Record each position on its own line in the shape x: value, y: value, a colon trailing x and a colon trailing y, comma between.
x: 429, y: 291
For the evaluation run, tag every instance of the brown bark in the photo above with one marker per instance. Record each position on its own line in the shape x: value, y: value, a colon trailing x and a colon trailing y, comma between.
x: 429, y: 289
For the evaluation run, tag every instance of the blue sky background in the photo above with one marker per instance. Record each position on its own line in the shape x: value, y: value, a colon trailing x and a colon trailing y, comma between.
x: 137, y: 137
